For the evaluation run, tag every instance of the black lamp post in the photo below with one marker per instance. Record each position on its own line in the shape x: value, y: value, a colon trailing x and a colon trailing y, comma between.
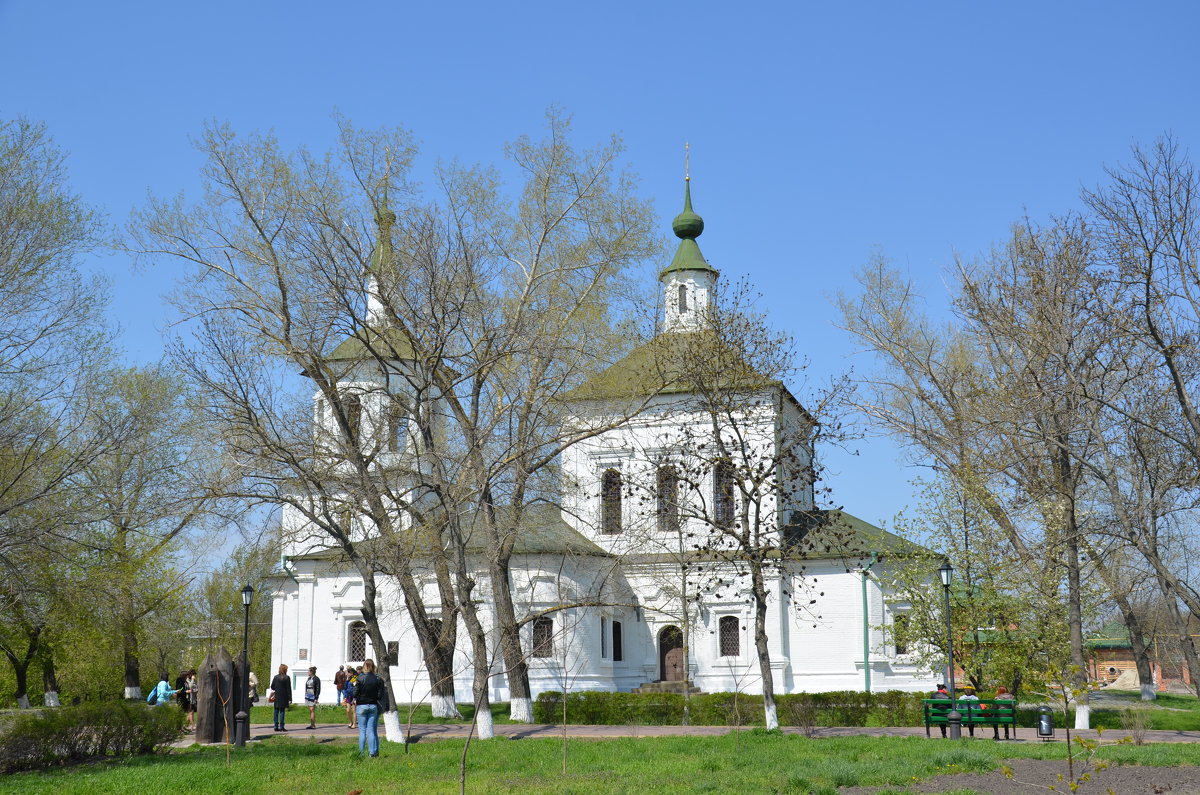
x: 241, y: 720
x: 954, y: 718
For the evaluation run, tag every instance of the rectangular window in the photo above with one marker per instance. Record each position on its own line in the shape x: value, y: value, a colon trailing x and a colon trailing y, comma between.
x: 353, y: 407
x: 618, y: 649
x: 900, y: 634
x: 667, y: 489
x: 543, y: 637
x: 397, y: 427
x: 610, y: 501
x: 393, y: 653
x: 730, y: 636
x: 603, y: 638
x: 723, y: 495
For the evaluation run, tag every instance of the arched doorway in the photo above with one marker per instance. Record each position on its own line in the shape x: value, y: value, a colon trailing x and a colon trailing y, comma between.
x: 670, y: 655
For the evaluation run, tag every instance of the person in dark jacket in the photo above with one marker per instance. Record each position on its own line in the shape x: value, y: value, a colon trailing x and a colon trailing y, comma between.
x: 371, y: 696
x: 281, y: 696
x: 312, y: 694
x: 339, y: 682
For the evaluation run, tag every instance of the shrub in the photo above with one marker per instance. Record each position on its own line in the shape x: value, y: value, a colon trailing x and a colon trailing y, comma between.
x: 70, y: 734
x: 805, y: 710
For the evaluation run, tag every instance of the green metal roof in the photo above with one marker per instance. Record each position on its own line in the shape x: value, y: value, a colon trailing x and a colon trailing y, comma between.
x: 851, y: 532
x: 673, y: 363
x: 368, y: 343
x: 1113, y: 635
x: 540, y: 530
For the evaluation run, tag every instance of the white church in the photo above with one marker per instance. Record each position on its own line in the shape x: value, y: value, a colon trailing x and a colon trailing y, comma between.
x: 599, y: 577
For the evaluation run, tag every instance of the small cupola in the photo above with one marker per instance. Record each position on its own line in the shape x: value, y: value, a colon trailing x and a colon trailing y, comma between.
x: 689, y: 282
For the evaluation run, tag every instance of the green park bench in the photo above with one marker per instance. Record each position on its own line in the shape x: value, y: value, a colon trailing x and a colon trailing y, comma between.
x: 985, y: 712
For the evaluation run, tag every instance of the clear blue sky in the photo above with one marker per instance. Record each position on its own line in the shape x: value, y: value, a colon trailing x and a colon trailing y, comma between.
x: 819, y: 132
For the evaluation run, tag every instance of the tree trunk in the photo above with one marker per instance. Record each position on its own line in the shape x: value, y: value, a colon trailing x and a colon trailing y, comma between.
x: 437, y: 647
x: 129, y: 647
x: 770, y: 713
x: 520, y: 706
x: 49, y: 677
x: 464, y: 585
x: 1186, y: 644
x: 1141, y: 652
x: 20, y: 664
x: 391, y: 718
x: 1079, y: 677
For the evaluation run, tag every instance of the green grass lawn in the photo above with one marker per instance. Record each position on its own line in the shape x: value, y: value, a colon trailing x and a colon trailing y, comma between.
x: 753, y: 761
x: 1169, y: 711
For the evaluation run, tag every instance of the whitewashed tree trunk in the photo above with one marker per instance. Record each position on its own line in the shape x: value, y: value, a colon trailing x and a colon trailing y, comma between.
x: 133, y: 692
x: 772, y: 717
x: 392, y: 731
x: 1083, y: 716
x: 23, y: 702
x: 520, y: 710
x: 51, y: 699
x: 484, y: 726
x: 444, y: 707
x: 1148, y: 693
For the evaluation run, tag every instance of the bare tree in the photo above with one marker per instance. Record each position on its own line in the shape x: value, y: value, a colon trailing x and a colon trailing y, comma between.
x: 468, y: 318
x: 738, y: 455
x: 999, y: 403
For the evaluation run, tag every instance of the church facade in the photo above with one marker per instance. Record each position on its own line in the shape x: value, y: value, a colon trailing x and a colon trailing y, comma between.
x: 623, y: 582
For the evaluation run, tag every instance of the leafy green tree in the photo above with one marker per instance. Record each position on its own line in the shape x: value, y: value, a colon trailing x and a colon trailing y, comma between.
x: 159, y: 485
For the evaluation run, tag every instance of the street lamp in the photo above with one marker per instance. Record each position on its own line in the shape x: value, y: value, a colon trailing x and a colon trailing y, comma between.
x: 954, y: 718
x: 242, y: 719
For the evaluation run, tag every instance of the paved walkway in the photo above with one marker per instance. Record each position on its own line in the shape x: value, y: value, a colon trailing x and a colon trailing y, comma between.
x: 450, y: 731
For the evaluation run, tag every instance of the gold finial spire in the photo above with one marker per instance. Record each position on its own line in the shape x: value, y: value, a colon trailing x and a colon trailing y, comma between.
x: 687, y: 162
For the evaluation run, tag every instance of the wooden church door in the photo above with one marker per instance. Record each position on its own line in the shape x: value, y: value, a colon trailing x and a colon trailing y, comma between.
x: 670, y: 655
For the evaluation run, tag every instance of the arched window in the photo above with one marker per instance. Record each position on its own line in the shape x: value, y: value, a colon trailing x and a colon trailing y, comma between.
x: 668, y: 499
x: 723, y: 494
x: 543, y: 637
x: 610, y: 501
x: 682, y: 299
x: 397, y: 427
x: 731, y: 636
x: 356, y: 641
x: 354, y: 416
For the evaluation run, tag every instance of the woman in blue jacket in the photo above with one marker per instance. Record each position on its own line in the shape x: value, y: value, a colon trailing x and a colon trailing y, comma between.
x: 162, y: 692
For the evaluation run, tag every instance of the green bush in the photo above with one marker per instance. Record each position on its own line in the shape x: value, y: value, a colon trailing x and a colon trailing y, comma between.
x: 839, y: 708
x: 70, y: 734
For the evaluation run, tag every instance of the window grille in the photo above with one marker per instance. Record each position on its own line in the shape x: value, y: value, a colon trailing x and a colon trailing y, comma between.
x: 668, y: 499
x: 356, y: 642
x: 543, y: 637
x: 723, y: 497
x: 610, y: 501
x: 731, y: 636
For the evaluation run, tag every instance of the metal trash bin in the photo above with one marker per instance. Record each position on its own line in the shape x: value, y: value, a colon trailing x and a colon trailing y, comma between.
x: 1045, y: 723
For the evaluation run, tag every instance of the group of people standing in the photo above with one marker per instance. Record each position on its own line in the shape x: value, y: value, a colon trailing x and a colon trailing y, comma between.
x: 185, y: 694
x: 360, y: 689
